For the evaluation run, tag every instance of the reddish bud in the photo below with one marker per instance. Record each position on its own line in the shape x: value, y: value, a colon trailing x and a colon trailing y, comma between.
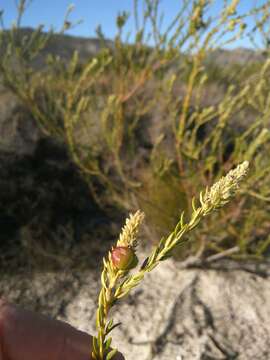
x: 124, y: 258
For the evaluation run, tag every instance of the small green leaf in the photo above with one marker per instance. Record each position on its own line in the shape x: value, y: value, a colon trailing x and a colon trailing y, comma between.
x: 166, y: 256
x: 95, y: 345
x: 100, y: 341
x: 97, y: 319
x: 109, y: 325
x: 111, y: 354
x: 108, y: 343
x: 113, y: 327
x: 144, y: 263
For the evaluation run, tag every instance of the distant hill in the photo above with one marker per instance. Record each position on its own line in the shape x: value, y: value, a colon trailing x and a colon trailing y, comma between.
x: 64, y: 46
x: 239, y: 56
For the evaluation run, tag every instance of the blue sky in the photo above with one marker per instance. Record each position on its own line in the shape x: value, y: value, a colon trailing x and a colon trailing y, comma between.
x: 92, y: 12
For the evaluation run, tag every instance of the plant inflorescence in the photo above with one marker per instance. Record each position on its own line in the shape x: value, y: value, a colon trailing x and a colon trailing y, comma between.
x: 116, y: 280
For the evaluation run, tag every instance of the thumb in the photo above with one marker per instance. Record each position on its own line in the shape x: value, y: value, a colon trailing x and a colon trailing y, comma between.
x: 28, y: 336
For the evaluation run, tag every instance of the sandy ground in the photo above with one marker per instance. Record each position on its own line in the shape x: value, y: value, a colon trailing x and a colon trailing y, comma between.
x: 175, y: 314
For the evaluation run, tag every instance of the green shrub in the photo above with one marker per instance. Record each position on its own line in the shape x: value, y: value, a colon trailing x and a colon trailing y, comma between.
x: 149, y: 125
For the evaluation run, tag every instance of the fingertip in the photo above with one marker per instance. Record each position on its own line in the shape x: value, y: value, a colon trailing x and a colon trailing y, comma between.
x: 3, y: 304
x: 3, y: 319
x: 3, y: 313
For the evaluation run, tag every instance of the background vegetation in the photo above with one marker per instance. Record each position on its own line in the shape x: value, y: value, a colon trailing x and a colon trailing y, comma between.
x: 150, y: 122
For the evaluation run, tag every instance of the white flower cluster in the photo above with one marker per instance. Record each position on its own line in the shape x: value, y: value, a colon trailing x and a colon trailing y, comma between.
x: 220, y: 193
x: 129, y: 232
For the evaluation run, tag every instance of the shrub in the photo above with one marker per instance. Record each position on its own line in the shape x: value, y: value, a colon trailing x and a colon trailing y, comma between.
x: 148, y: 122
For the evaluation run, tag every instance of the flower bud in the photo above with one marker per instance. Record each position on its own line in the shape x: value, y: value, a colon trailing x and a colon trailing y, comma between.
x: 124, y: 258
